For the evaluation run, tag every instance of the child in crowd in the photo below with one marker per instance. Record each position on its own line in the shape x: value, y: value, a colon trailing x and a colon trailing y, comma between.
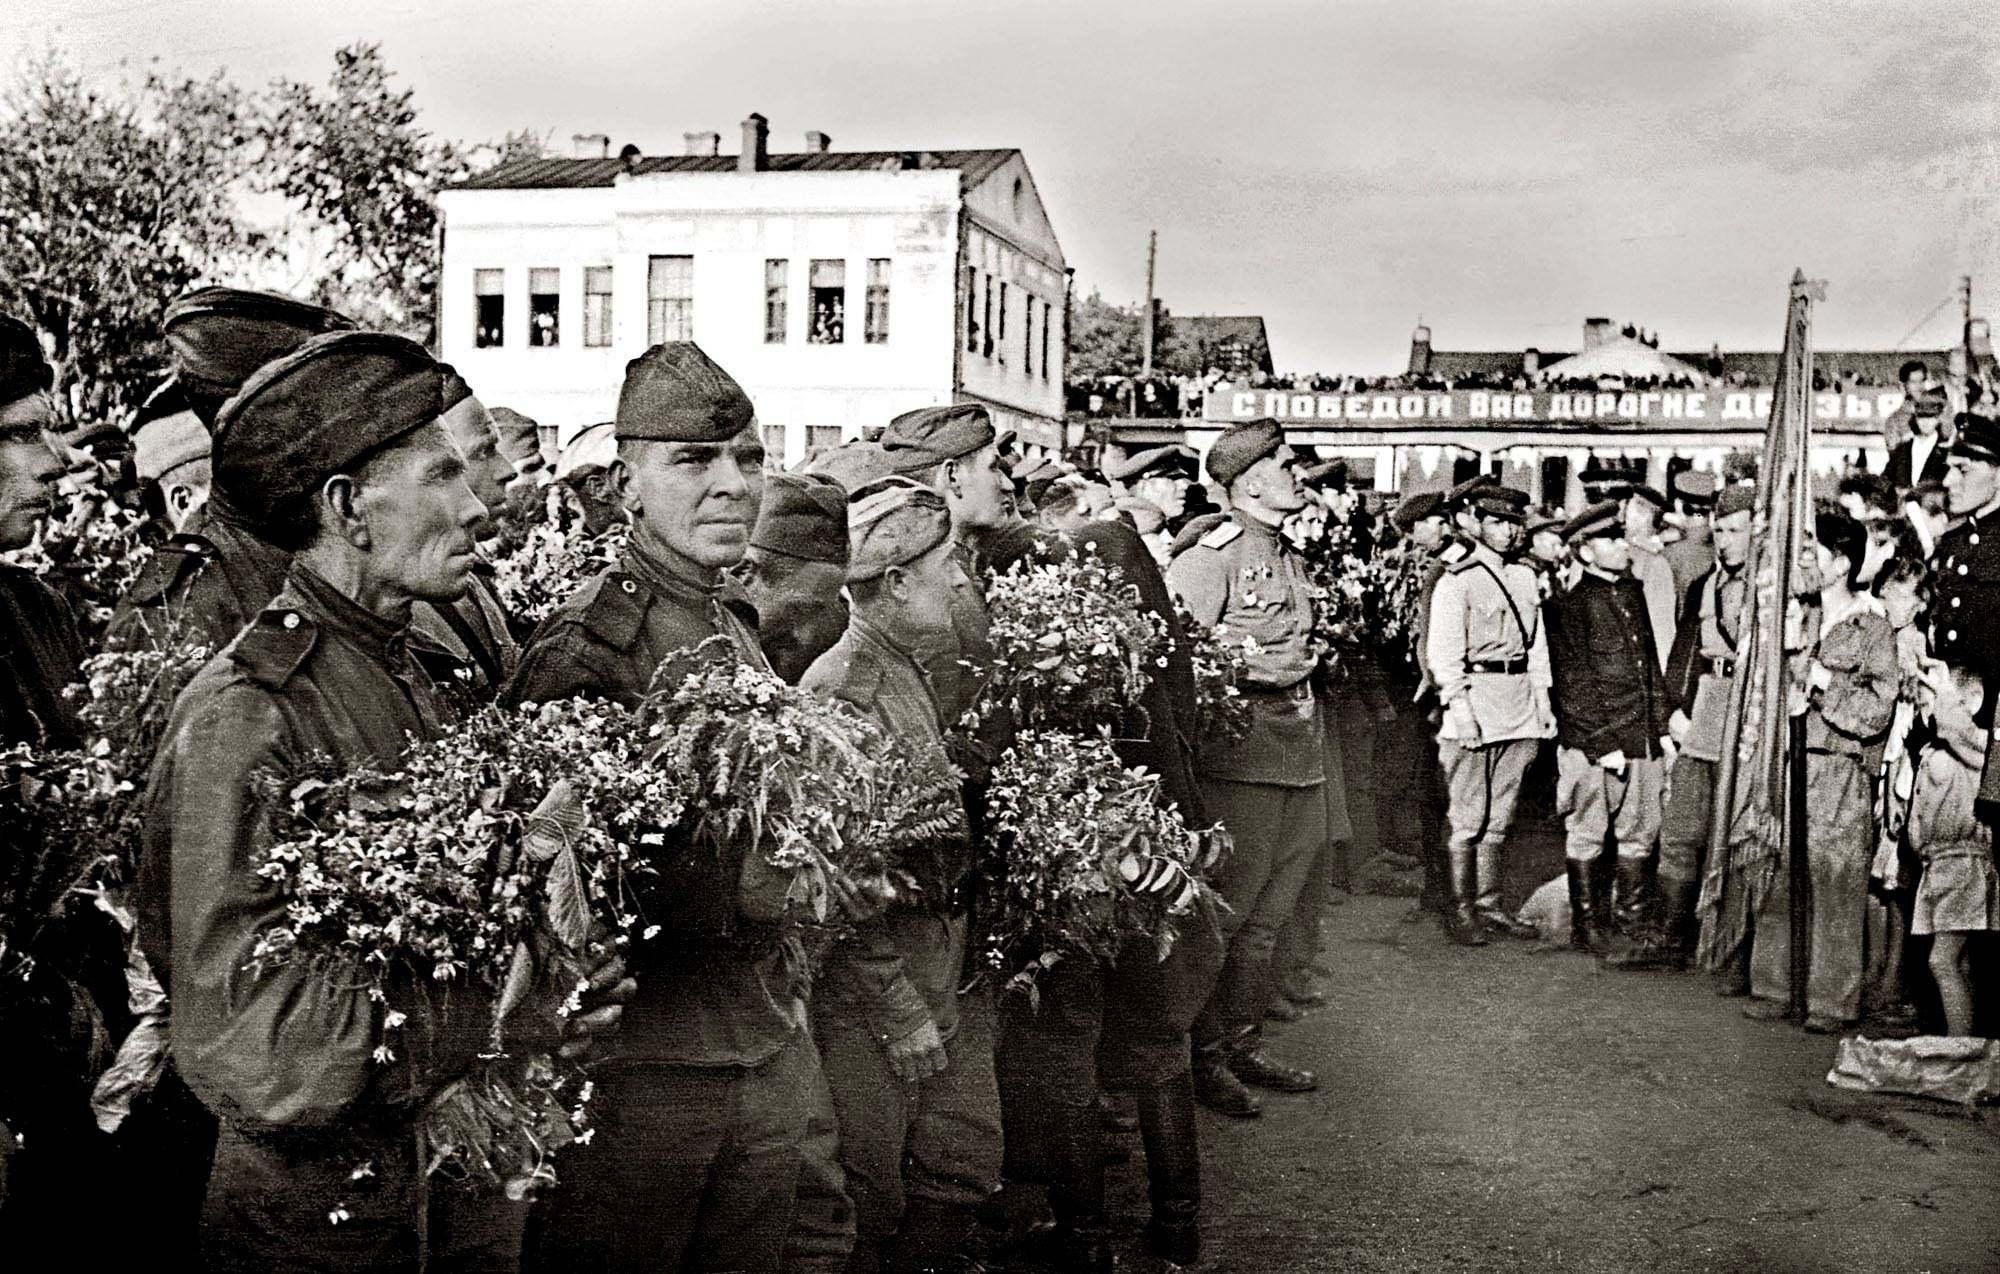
x: 1956, y: 896
x: 1904, y: 587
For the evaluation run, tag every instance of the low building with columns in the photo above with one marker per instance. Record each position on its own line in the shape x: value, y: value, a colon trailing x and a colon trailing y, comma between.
x: 841, y: 288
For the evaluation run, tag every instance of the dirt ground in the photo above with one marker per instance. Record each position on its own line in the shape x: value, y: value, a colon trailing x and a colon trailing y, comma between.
x: 1513, y: 1109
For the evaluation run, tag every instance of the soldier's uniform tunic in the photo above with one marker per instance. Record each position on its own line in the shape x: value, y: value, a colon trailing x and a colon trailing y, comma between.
x: 937, y: 1141
x: 1608, y: 698
x: 1265, y: 787
x: 1489, y: 657
x: 203, y: 585
x: 707, y: 1104
x: 1966, y: 617
x: 285, y: 1059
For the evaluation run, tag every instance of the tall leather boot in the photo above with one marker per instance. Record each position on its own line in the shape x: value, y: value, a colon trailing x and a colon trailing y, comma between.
x: 1254, y: 1066
x: 1493, y: 914
x: 1217, y: 1087
x: 1583, y: 932
x: 1078, y: 1240
x: 1173, y: 1169
x: 936, y: 1238
x: 1638, y: 945
x: 1678, y: 899
x: 1462, y: 922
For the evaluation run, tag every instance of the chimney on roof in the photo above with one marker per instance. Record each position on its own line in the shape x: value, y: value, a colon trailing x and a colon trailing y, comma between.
x: 818, y: 143
x: 630, y: 155
x: 1596, y: 331
x: 706, y: 145
x: 1420, y: 351
x: 756, y: 153
x: 591, y: 145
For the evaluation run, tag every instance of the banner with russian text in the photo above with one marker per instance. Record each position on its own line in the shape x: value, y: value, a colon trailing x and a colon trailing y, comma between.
x: 1855, y: 411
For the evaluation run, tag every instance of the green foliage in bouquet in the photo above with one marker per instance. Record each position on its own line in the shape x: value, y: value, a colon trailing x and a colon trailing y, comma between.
x: 817, y: 793
x: 550, y: 563
x: 90, y: 549
x: 1089, y: 861
x: 1222, y: 714
x: 490, y: 857
x: 1071, y: 646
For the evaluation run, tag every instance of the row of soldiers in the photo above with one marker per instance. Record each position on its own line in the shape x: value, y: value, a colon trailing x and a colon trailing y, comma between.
x: 1622, y: 647
x: 330, y: 490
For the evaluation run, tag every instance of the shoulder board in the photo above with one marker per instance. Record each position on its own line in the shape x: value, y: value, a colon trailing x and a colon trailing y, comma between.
x: 1459, y: 565
x: 181, y: 558
x: 1221, y: 535
x: 271, y: 649
x: 611, y: 608
x: 1454, y: 553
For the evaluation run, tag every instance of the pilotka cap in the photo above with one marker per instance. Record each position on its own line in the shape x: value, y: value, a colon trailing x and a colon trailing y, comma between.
x: 307, y: 416
x: 893, y: 522
x: 804, y: 515
x: 929, y: 436
x: 676, y: 393
x: 1241, y: 446
x: 217, y: 337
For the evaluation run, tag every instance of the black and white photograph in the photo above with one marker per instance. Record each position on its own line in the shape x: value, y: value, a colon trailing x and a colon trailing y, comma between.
x: 975, y: 637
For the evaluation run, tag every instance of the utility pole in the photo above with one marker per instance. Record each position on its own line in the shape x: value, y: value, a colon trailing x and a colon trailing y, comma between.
x: 1965, y: 315
x: 1146, y: 319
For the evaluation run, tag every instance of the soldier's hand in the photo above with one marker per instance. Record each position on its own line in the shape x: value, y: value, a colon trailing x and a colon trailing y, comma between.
x: 1678, y: 726
x: 608, y: 989
x: 856, y: 903
x: 918, y: 1055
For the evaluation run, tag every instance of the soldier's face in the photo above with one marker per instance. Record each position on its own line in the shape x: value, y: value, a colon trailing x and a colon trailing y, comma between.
x: 927, y: 586
x: 1499, y: 534
x: 800, y: 610
x: 1969, y: 485
x: 1169, y: 493
x: 28, y: 473
x: 695, y: 499
x: 420, y: 516
x: 1428, y: 534
x: 979, y: 491
x: 1732, y: 539
x: 487, y: 472
x: 1273, y: 482
x: 1609, y: 553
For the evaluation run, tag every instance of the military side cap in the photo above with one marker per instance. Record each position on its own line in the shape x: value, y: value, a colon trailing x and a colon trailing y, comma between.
x: 452, y: 389
x: 1738, y: 497
x: 520, y: 438
x: 165, y: 443
x: 1458, y: 496
x: 1414, y: 509
x: 306, y: 416
x: 675, y: 393
x: 23, y: 370
x: 1694, y: 488
x: 1500, y: 502
x: 1978, y: 438
x: 1241, y: 446
x: 1651, y: 495
x: 852, y: 464
x: 929, y: 436
x: 1176, y: 461
x: 1605, y: 518
x: 1327, y: 475
x: 217, y: 337
x: 593, y: 445
x: 891, y: 522
x: 804, y: 515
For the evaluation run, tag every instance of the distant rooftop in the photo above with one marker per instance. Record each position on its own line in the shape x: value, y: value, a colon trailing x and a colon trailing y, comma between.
x: 974, y: 166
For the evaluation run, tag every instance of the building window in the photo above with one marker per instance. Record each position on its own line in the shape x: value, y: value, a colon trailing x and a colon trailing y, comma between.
x: 828, y: 294
x: 544, y: 308
x: 489, y: 304
x: 774, y: 300
x: 669, y: 299
x: 597, y: 306
x: 1048, y: 321
x: 877, y: 318
x: 1000, y: 338
x: 986, y: 320
x: 971, y: 311
x: 822, y: 438
x: 1028, y: 336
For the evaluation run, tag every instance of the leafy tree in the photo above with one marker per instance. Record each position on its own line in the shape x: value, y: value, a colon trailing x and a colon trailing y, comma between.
x: 353, y: 159
x: 111, y: 204
x: 1104, y: 339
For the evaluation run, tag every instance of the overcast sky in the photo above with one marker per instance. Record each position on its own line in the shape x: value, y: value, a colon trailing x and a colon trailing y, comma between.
x: 1501, y: 169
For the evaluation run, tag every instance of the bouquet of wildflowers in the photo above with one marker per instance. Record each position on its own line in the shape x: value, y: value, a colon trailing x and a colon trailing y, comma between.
x: 488, y: 859
x: 1219, y: 670
x: 812, y: 789
x: 1090, y: 860
x: 90, y: 549
x: 1071, y: 645
x: 549, y: 563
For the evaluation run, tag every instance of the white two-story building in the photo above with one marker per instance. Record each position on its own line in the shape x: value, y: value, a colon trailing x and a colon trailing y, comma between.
x: 840, y: 288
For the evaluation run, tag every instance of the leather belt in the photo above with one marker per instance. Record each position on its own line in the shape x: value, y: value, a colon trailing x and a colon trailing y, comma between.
x: 1720, y: 667
x: 1511, y: 667
x: 1297, y: 692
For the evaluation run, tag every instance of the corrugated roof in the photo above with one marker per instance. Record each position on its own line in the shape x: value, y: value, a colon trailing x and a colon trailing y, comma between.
x: 974, y: 166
